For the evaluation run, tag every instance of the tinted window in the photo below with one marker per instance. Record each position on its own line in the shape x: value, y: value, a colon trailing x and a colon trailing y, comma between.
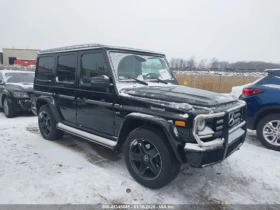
x: 1, y: 78
x: 45, y: 68
x: 270, y: 79
x: 92, y: 65
x: 18, y: 77
x: 66, y: 68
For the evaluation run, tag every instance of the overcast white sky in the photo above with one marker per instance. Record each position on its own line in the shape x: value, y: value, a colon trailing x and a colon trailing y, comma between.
x: 227, y: 29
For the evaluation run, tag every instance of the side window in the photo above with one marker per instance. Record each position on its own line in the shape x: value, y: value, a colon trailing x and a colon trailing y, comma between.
x: 1, y: 78
x: 45, y: 68
x: 66, y: 68
x: 92, y: 65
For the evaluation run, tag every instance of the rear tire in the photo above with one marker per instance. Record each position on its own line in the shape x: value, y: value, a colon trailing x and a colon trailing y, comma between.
x: 149, y: 158
x: 268, y: 132
x: 9, y: 108
x: 47, y: 124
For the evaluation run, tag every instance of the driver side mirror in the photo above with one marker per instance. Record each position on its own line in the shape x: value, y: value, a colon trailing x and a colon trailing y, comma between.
x: 1, y: 82
x: 100, y: 81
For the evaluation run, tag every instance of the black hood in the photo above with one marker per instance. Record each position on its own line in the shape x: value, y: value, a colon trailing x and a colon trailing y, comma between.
x: 22, y: 86
x: 180, y: 94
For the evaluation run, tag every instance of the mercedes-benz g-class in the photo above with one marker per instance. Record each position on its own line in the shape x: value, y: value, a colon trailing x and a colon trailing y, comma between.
x: 128, y: 98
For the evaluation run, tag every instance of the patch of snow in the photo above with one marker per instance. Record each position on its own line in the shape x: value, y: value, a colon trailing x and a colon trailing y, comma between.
x: 24, y: 86
x: 174, y: 105
x: 222, y: 98
x: 36, y: 171
x: 131, y: 84
x: 234, y: 135
x: 194, y: 146
x: 206, y: 131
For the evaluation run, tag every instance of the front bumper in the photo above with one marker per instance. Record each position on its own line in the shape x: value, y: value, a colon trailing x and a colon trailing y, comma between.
x: 23, y: 104
x: 34, y: 110
x: 202, y: 154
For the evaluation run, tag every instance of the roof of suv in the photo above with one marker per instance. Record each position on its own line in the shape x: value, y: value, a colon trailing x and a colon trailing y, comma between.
x: 273, y: 71
x: 90, y: 46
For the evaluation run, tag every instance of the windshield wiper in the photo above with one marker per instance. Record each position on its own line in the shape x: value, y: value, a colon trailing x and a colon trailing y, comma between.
x: 140, y: 81
x: 159, y: 80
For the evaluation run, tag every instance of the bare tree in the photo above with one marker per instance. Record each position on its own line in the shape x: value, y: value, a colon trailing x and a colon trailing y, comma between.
x: 214, y: 63
x: 202, y: 64
x: 182, y: 64
x: 179, y: 63
x: 222, y: 65
x: 191, y: 63
x: 172, y: 62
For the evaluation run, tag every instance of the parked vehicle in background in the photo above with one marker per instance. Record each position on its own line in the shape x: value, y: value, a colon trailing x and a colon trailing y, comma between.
x: 120, y: 97
x: 16, y: 91
x: 237, y: 90
x: 263, y: 102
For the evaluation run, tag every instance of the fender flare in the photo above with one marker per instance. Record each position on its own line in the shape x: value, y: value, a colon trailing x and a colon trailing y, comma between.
x: 51, y: 103
x: 7, y: 94
x: 168, y: 128
x: 264, y: 109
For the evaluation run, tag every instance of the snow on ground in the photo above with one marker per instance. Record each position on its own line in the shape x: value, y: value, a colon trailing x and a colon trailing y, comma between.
x: 36, y: 171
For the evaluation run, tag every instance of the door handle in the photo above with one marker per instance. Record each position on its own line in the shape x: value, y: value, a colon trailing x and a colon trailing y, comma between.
x: 80, y: 99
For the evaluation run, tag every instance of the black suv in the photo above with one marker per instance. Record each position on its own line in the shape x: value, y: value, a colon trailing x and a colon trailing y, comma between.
x: 129, y: 98
x: 16, y: 91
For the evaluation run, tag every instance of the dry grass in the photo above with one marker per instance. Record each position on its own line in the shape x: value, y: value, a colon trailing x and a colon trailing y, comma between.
x: 220, y: 84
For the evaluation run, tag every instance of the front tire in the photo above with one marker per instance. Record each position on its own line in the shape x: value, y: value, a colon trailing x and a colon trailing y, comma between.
x: 268, y: 131
x: 47, y: 124
x: 149, y: 158
x: 9, y: 108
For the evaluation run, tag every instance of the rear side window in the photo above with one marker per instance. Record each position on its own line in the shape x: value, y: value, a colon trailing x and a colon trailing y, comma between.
x: 92, y: 65
x: 269, y: 79
x: 66, y: 68
x: 45, y: 68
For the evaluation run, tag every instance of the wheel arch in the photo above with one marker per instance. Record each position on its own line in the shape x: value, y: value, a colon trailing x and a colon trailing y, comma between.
x: 135, y: 120
x: 2, y: 99
x: 4, y: 95
x: 265, y: 112
x: 48, y: 100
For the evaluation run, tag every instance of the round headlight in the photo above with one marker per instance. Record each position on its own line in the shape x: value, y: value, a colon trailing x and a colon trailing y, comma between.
x: 201, y: 124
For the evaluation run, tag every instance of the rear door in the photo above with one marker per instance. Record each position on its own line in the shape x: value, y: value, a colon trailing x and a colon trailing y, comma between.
x: 95, y: 111
x: 44, y: 75
x: 64, y: 87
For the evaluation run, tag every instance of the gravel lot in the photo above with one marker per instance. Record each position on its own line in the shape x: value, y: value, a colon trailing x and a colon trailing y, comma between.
x: 36, y: 171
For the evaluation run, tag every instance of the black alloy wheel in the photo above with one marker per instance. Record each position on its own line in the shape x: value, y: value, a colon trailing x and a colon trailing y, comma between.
x: 145, y: 159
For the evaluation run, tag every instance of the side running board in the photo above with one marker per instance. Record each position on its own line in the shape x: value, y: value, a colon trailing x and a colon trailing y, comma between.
x: 88, y: 136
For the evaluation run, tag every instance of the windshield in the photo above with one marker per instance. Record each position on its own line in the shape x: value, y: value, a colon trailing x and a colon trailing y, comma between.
x: 19, y: 77
x: 143, y: 67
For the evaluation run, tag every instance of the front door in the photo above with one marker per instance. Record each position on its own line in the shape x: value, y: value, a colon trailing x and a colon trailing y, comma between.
x: 64, y: 87
x: 95, y: 111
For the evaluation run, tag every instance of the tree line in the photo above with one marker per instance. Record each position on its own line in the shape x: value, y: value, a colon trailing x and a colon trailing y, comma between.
x: 215, y: 64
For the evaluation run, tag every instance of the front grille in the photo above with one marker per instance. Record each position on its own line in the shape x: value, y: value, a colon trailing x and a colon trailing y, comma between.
x: 237, y: 116
x: 221, y: 123
x: 218, y: 122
